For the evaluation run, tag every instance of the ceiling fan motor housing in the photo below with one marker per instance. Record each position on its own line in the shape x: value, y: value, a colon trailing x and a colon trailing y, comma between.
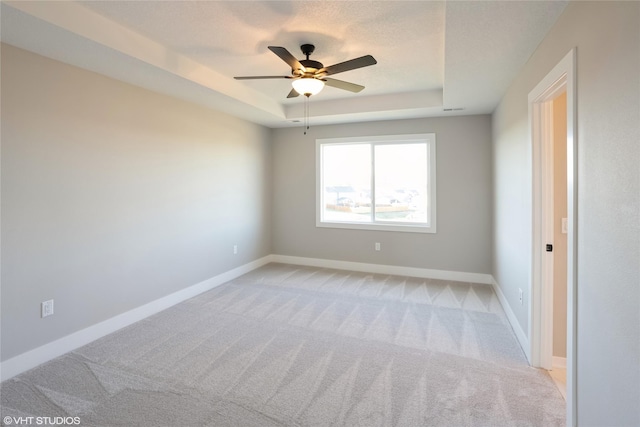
x: 310, y: 65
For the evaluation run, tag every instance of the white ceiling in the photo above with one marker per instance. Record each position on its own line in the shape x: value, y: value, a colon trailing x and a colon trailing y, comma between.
x: 432, y: 55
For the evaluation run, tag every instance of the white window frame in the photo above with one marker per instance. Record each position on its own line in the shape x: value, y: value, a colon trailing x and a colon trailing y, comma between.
x: 429, y: 227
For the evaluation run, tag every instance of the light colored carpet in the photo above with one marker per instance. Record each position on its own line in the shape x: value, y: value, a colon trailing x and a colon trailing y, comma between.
x: 296, y: 346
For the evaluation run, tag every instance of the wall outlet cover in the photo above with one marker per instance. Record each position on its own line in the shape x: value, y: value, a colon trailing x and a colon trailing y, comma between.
x: 46, y: 308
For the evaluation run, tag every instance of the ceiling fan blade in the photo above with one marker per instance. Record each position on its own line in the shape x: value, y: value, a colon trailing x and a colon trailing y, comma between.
x: 287, y: 57
x: 363, y: 61
x: 340, y: 84
x: 293, y: 94
x: 261, y: 77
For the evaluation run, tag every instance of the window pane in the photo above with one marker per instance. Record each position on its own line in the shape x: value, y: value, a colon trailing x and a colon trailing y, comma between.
x: 346, y: 175
x: 399, y: 169
x: 401, y: 183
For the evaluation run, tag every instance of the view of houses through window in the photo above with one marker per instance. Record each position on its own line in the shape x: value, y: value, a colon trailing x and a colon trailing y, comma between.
x: 382, y: 181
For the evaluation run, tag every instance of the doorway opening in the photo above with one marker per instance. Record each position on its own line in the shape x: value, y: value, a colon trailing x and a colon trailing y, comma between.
x: 558, y: 254
x: 553, y: 274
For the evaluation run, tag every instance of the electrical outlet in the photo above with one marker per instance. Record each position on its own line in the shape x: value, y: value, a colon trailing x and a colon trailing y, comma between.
x: 520, y: 295
x: 235, y: 249
x: 46, y: 308
x: 377, y: 246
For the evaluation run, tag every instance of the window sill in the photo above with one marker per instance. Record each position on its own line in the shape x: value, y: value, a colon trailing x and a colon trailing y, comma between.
x: 378, y: 227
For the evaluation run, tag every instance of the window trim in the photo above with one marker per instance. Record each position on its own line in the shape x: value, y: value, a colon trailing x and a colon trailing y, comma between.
x: 429, y: 138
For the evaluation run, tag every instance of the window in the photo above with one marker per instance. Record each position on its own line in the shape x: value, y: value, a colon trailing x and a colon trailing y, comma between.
x: 377, y: 183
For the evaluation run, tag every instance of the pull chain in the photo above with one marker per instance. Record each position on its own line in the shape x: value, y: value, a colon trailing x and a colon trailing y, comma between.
x: 306, y: 113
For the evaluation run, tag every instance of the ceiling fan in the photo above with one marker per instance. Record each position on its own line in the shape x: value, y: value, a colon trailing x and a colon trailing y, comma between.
x: 309, y: 76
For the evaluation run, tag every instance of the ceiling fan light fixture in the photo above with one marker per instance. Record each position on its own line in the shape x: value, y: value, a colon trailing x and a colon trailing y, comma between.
x: 307, y: 86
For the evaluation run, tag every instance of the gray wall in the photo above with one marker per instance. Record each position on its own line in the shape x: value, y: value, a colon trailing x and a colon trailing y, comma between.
x: 463, y: 240
x: 607, y: 38
x: 113, y: 196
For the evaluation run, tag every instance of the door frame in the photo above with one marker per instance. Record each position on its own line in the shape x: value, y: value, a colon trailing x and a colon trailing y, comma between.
x: 560, y: 79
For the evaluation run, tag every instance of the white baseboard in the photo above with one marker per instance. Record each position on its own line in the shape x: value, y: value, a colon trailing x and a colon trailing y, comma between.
x: 37, y: 356
x: 559, y: 362
x: 457, y: 276
x: 515, y: 325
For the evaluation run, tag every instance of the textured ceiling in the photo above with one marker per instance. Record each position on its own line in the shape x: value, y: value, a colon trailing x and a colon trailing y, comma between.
x: 407, y: 38
x: 431, y: 55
